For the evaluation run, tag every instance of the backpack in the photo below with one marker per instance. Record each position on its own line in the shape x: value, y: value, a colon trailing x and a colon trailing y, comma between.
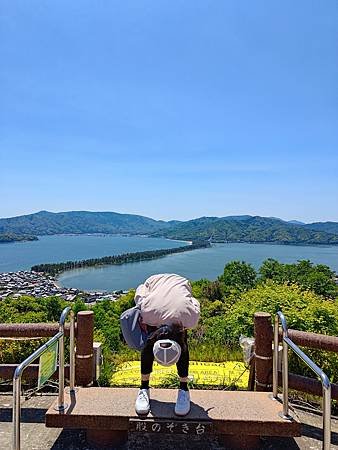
x: 134, y: 336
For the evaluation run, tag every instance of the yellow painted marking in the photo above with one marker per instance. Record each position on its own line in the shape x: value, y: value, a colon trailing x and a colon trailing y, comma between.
x: 203, y: 373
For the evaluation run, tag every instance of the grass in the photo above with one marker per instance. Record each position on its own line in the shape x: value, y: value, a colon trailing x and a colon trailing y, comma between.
x: 214, y: 352
x: 208, y: 352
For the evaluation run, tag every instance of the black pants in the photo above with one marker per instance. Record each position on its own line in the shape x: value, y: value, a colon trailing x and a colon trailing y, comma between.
x: 147, y: 356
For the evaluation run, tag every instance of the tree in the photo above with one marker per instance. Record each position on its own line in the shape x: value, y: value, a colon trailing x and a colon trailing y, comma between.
x: 271, y: 269
x: 54, y: 306
x: 213, y: 290
x: 238, y: 276
x: 317, y: 278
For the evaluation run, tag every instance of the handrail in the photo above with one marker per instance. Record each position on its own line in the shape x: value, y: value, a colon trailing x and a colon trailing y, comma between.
x: 287, y: 342
x: 21, y: 367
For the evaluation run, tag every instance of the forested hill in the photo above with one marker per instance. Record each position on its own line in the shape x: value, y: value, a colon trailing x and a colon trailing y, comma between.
x: 80, y: 222
x: 329, y: 227
x: 13, y: 237
x: 253, y: 229
x: 243, y: 228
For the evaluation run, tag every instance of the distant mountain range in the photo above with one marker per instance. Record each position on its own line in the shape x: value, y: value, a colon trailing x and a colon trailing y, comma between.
x: 253, y: 229
x: 243, y: 228
x: 80, y: 222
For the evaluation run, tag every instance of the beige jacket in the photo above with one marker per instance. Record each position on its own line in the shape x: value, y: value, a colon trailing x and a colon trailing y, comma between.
x: 165, y: 299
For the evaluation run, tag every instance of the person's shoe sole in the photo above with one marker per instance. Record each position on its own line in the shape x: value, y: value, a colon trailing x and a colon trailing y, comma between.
x: 181, y: 414
x: 142, y: 413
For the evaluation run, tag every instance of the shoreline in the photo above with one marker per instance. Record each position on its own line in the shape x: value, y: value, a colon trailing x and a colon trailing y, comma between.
x: 55, y: 269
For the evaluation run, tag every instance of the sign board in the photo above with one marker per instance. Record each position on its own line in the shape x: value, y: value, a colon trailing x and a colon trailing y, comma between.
x: 171, y: 426
x: 48, y: 363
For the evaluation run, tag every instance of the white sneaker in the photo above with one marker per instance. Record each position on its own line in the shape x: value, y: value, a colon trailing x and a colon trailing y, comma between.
x: 182, y: 406
x: 142, y: 405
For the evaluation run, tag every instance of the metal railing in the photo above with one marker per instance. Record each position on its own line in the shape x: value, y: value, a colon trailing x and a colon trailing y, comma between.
x: 21, y: 367
x: 287, y: 342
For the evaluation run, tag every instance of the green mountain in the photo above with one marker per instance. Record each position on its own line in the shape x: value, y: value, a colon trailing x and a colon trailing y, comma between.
x: 329, y: 227
x: 80, y: 222
x: 13, y: 237
x: 254, y: 229
x: 243, y: 228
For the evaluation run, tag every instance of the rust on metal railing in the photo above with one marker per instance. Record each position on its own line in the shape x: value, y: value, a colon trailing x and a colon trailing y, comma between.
x: 308, y: 385
x: 31, y: 372
x: 312, y: 340
x: 29, y: 330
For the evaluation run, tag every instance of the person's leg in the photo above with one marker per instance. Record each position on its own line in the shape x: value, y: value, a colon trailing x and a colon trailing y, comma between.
x: 147, y: 360
x: 183, y: 363
x: 182, y: 406
x: 142, y: 405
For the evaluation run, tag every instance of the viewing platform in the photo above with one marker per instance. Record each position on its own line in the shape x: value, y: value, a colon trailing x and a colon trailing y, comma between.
x: 85, y: 416
x: 36, y: 436
x: 239, y: 418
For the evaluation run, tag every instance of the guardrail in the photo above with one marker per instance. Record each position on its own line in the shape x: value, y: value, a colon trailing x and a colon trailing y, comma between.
x: 19, y: 370
x: 326, y: 385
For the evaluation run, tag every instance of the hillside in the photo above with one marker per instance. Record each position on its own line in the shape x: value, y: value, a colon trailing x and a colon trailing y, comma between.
x: 13, y: 237
x: 254, y: 229
x: 328, y: 227
x: 79, y: 222
x: 243, y: 228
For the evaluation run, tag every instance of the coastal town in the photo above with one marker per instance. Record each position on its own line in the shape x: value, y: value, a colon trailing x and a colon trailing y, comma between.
x: 37, y: 284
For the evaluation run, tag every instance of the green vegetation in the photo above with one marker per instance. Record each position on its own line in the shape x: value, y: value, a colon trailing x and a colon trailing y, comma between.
x: 244, y: 228
x: 252, y: 230
x: 329, y: 227
x: 14, y: 237
x: 305, y: 292
x: 79, y: 222
x: 26, y: 310
x: 54, y: 269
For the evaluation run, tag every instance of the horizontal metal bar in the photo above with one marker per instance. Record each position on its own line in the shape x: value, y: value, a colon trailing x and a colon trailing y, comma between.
x: 30, y: 373
x: 312, y: 340
x: 30, y: 330
x: 36, y: 354
x: 317, y: 370
x: 308, y: 385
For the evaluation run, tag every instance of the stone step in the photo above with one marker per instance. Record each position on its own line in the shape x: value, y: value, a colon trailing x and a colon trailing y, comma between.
x: 228, y: 412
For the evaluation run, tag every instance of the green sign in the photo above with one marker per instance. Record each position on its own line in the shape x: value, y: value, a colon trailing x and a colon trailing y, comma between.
x: 48, y: 363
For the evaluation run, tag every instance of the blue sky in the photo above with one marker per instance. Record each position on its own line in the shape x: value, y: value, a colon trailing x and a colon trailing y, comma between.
x: 170, y: 109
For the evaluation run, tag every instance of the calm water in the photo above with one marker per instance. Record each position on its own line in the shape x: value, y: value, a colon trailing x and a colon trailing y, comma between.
x: 23, y: 255
x: 204, y: 263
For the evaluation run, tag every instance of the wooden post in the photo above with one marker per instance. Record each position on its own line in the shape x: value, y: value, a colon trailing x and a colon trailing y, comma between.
x: 263, y: 351
x: 84, y: 349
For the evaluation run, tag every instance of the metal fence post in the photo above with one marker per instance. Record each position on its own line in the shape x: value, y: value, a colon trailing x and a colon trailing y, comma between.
x: 72, y: 352
x: 61, y: 398
x: 16, y: 410
x: 285, y: 378
x: 326, y: 413
x: 275, y: 358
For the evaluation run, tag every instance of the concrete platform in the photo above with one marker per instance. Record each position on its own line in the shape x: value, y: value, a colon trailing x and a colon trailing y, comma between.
x: 35, y: 436
x: 231, y: 413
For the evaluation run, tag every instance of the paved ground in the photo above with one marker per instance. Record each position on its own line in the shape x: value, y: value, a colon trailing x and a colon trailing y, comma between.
x: 35, y: 436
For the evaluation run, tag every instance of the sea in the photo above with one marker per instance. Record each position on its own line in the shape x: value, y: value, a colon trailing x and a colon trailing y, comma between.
x: 203, y: 263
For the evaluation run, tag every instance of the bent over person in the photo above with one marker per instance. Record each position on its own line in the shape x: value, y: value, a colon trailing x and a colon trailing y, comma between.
x: 168, y: 309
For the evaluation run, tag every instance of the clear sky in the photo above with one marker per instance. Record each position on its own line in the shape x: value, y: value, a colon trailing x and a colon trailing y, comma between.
x: 170, y: 109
